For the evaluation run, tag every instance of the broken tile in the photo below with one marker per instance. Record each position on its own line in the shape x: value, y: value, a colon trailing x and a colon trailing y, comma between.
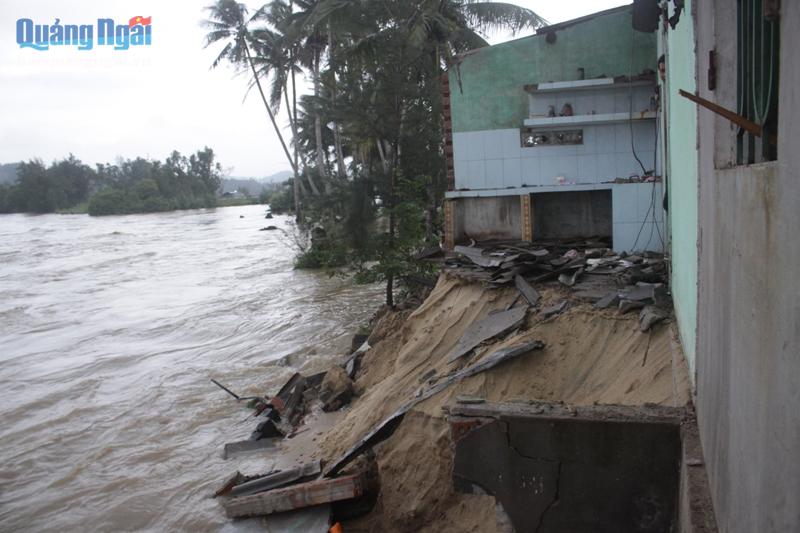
x: 610, y: 299
x: 525, y: 288
x: 483, y: 330
x: 650, y: 316
x: 626, y: 306
x: 547, y: 312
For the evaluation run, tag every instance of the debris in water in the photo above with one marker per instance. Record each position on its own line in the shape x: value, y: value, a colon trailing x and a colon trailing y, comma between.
x: 276, y: 479
x: 297, y: 496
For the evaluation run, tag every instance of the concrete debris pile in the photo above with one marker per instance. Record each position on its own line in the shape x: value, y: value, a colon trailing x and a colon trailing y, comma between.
x: 297, y: 494
x: 347, y: 484
x: 594, y: 272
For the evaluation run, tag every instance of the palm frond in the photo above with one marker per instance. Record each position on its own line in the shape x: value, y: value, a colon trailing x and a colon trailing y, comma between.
x: 492, y: 16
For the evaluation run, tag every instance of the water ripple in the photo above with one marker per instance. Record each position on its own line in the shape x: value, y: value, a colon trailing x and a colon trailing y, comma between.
x: 109, y: 331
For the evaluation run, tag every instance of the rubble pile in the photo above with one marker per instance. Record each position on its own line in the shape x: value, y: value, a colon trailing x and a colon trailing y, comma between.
x: 593, y: 271
x: 299, y: 496
x: 346, y: 482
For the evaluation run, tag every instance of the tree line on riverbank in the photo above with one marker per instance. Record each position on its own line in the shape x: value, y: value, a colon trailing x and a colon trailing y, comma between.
x: 366, y: 144
x: 129, y: 186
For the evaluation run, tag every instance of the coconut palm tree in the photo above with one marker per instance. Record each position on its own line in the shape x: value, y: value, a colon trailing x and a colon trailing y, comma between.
x: 228, y: 22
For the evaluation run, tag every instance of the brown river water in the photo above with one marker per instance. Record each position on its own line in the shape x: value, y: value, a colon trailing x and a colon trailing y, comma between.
x: 110, y: 329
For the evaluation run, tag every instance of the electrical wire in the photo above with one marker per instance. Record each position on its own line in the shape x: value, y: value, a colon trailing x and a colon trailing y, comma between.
x: 652, y: 207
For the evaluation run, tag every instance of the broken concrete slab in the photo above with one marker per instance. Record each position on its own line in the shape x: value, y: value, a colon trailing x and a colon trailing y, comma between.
x: 469, y: 399
x: 297, y: 496
x: 626, y: 306
x: 276, y: 479
x: 609, y: 300
x: 387, y: 427
x: 552, y: 310
x: 557, y: 468
x: 492, y: 326
x: 593, y: 287
x: 476, y: 256
x: 570, y: 279
x: 643, y: 292
x: 267, y: 429
x: 525, y: 288
x: 353, y: 363
x: 336, y: 389
x: 228, y: 484
x: 245, y: 446
x: 650, y: 316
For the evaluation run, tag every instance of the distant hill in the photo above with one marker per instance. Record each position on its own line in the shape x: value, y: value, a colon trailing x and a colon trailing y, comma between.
x: 254, y: 185
x: 237, y: 184
x: 278, y: 177
x: 8, y: 173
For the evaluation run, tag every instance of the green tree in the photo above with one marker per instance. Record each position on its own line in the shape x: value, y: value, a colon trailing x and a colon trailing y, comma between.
x: 229, y: 23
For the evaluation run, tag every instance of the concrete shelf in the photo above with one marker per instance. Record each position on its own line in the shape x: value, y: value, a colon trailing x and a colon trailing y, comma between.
x: 588, y: 120
x: 585, y: 85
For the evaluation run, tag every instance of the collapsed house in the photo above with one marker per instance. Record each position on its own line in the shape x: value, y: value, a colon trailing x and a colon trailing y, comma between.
x: 543, y: 384
x: 553, y: 136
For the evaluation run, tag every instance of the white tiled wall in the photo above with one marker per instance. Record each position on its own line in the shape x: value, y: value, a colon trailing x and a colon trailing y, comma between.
x: 604, y: 155
x: 637, y: 212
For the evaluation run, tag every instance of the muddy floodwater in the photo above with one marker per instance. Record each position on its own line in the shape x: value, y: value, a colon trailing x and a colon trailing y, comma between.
x: 110, y: 329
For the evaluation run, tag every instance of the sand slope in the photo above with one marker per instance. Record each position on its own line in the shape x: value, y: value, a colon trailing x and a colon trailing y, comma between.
x: 590, y: 357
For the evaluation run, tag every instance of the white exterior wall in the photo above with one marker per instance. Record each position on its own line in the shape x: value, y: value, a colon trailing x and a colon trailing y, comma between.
x: 494, y: 159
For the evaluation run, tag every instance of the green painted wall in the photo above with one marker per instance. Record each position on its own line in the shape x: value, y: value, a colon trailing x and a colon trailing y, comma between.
x: 491, y: 94
x: 681, y: 167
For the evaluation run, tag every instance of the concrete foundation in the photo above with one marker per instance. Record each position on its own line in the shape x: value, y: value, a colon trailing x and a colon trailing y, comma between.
x: 600, y: 468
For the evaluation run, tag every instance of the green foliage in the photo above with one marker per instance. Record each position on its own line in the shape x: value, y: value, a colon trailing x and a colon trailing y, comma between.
x: 40, y: 189
x: 281, y: 200
x: 144, y: 186
x: 371, y: 134
x: 131, y: 186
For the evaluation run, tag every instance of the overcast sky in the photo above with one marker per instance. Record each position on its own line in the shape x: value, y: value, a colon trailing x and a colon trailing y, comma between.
x: 101, y: 104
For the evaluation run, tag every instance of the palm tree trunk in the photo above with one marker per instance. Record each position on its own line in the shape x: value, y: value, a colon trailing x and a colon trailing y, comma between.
x: 309, y: 179
x: 318, y: 126
x: 337, y: 140
x: 277, y: 131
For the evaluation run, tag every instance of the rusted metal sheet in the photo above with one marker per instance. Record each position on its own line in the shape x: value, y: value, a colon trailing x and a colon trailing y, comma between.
x: 385, y: 429
x: 297, y: 496
x: 489, y: 327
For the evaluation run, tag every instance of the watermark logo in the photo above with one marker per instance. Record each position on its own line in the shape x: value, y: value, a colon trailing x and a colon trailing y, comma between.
x: 137, y: 32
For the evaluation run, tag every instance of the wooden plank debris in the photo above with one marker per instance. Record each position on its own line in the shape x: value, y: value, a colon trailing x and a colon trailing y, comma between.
x: 297, y: 496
